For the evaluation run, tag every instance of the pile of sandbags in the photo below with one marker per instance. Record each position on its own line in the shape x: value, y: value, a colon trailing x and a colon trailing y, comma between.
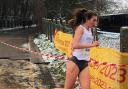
x: 57, y: 67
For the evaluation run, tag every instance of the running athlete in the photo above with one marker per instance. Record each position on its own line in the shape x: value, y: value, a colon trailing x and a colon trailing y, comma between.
x: 83, y: 22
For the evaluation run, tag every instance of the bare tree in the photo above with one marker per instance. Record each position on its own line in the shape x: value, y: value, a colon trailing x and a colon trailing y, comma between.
x: 105, y: 6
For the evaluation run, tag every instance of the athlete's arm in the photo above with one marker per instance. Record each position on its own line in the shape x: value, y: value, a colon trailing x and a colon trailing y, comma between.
x: 76, y: 39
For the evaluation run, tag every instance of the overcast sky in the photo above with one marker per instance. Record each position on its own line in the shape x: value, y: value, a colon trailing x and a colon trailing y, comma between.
x: 122, y: 3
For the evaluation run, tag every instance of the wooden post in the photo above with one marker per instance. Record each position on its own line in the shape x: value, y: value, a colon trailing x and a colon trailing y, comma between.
x: 54, y: 26
x: 49, y: 20
x: 47, y: 27
x: 95, y: 34
x: 58, y: 24
x: 63, y: 24
x: 50, y: 30
x: 124, y: 39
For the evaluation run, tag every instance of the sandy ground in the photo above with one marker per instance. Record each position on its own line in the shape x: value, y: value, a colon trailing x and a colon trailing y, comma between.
x: 16, y: 72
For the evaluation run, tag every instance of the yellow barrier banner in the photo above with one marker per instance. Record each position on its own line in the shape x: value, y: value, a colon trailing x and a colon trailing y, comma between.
x: 63, y: 42
x: 113, y: 74
x: 108, y: 76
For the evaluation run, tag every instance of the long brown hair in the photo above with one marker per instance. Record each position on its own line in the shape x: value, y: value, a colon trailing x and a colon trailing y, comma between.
x: 80, y: 16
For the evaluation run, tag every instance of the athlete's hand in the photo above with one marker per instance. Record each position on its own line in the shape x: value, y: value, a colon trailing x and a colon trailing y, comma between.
x: 96, y: 43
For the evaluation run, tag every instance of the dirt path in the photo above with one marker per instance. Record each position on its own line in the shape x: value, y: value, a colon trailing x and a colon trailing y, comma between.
x: 8, y: 55
x: 19, y: 40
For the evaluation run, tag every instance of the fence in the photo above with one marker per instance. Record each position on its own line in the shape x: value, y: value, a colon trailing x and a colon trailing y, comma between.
x: 108, y: 67
x: 108, y: 39
x: 15, y: 21
x: 49, y: 26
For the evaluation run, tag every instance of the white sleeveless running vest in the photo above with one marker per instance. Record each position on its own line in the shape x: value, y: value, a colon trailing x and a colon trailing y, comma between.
x: 83, y: 54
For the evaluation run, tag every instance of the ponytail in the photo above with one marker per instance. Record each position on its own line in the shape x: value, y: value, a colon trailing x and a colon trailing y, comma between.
x: 80, y: 17
x: 72, y: 23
